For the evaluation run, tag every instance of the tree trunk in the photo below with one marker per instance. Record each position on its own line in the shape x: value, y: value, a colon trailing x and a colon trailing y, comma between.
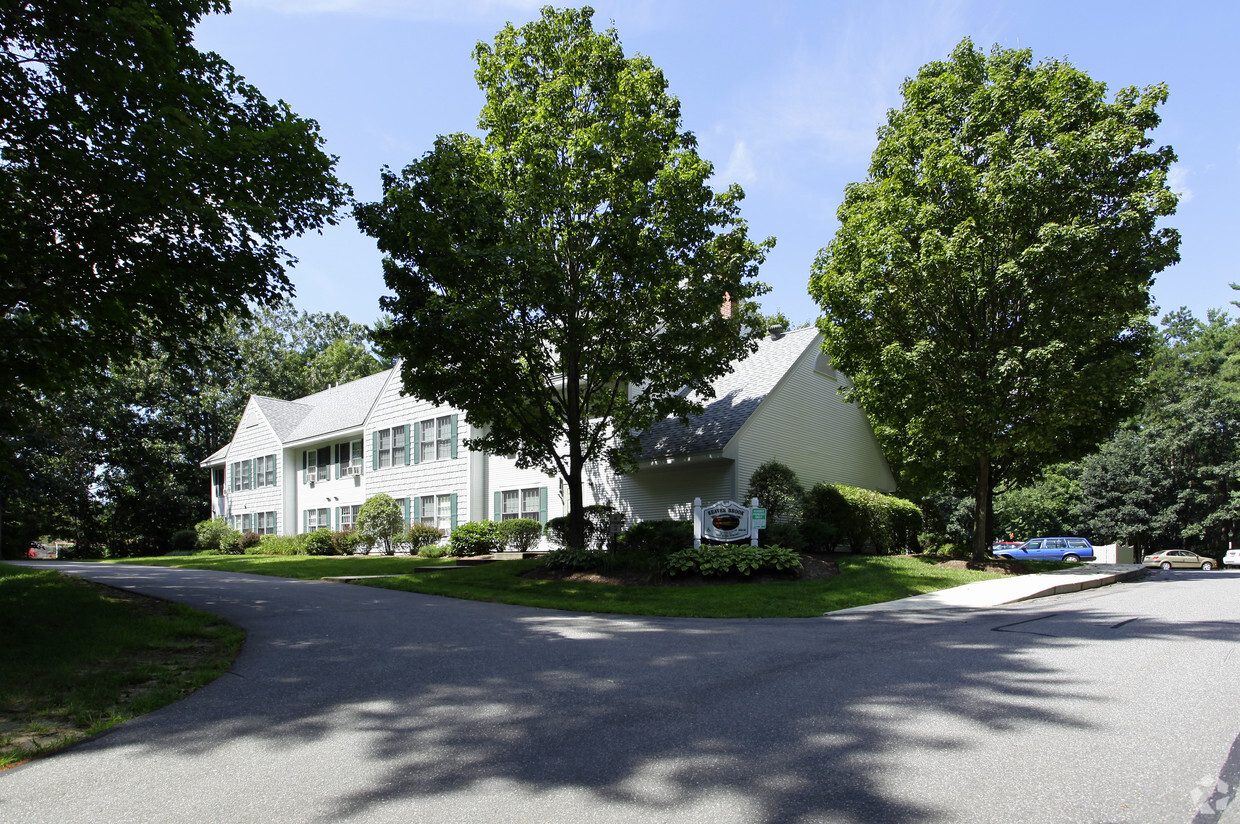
x: 983, y: 519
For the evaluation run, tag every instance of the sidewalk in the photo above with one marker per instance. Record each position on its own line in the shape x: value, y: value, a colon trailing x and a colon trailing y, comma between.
x: 1009, y: 589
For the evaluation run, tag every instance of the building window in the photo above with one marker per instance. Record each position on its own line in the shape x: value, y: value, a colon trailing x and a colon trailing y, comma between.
x: 436, y: 511
x: 265, y: 471
x: 347, y: 517
x: 318, y: 519
x: 349, y: 458
x: 265, y: 523
x: 435, y: 439
x: 318, y: 463
x: 521, y: 503
x: 390, y: 444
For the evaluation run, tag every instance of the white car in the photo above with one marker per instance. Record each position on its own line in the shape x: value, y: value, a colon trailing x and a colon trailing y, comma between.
x: 1232, y: 558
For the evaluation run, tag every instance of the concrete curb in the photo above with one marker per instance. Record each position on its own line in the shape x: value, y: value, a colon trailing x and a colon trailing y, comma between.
x: 1011, y: 590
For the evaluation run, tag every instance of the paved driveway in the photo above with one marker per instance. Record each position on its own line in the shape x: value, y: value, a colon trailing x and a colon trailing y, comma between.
x: 356, y: 704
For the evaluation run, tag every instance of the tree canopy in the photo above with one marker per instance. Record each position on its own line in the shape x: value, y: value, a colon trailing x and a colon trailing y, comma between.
x: 988, y: 288
x: 561, y: 278
x: 146, y: 189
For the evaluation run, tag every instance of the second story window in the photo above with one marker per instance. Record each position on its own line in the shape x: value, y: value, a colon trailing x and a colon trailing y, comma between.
x: 391, y: 447
x: 435, y: 439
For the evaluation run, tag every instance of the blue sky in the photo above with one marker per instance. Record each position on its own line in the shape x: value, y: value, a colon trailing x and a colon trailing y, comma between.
x: 784, y: 97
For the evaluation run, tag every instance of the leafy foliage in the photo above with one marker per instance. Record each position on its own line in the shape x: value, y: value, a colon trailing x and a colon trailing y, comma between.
x: 988, y: 289
x: 420, y: 536
x: 379, y: 520
x: 214, y: 533
x: 520, y: 534
x: 658, y: 538
x: 475, y: 538
x: 577, y: 243
x: 319, y: 542
x: 596, y: 528
x: 184, y: 540
x: 573, y: 559
x: 778, y: 489
x: 727, y: 559
x: 146, y: 190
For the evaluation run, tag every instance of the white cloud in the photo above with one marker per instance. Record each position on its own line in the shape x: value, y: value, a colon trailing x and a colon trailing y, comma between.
x: 1177, y: 180
x: 739, y: 168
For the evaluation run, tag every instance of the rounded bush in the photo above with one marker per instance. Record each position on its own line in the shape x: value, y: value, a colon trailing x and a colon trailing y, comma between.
x: 420, y: 536
x: 475, y: 538
x: 320, y: 542
x: 184, y: 541
x: 520, y: 534
x: 777, y: 489
x: 658, y: 539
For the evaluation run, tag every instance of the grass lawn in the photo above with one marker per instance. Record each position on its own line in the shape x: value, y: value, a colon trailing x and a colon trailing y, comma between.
x: 862, y: 580
x: 78, y: 658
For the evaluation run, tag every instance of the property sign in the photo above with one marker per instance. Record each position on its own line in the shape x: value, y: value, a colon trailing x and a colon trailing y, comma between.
x: 757, y: 517
x: 725, y: 521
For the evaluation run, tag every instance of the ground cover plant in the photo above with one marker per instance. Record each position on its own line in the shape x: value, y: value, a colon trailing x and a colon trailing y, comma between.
x: 79, y: 658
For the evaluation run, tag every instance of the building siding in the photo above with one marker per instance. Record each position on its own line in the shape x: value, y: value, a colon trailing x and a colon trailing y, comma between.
x: 805, y: 424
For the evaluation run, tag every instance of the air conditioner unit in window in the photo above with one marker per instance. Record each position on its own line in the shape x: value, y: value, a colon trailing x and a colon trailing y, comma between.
x: 353, y: 470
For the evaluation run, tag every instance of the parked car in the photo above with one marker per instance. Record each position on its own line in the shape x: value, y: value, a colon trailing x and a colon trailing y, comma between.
x: 998, y: 547
x: 1232, y: 558
x: 1051, y: 549
x: 1179, y: 559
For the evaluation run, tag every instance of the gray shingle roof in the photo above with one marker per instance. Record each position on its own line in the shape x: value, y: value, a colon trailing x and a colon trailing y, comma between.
x: 282, y: 415
x: 341, y: 407
x: 737, y: 395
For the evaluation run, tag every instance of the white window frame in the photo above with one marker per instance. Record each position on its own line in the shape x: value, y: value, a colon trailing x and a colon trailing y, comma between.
x: 320, y: 518
x: 521, y: 497
x: 347, y: 516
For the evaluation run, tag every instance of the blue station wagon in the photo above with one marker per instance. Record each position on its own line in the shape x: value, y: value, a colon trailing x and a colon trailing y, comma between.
x: 1051, y: 549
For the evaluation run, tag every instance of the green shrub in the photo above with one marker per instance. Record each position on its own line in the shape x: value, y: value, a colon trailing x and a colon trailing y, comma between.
x: 520, y: 534
x: 865, y: 517
x: 474, y: 538
x: 597, y: 528
x: 280, y: 545
x: 573, y: 559
x: 818, y: 536
x: 421, y: 536
x: 184, y: 541
x: 248, y: 539
x: 781, y: 534
x: 657, y: 539
x: 346, y: 543
x: 731, y: 559
x: 432, y: 550
x: 320, y: 542
x: 379, y: 521
x: 230, y: 543
x: 778, y: 490
x: 214, y: 534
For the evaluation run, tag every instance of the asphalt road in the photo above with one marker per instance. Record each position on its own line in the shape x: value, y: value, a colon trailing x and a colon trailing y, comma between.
x: 351, y: 704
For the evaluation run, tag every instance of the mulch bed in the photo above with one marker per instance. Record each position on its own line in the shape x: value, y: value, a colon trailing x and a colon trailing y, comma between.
x: 812, y: 567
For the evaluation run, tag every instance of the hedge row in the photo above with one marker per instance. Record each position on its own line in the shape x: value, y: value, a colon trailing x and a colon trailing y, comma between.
x: 863, y: 517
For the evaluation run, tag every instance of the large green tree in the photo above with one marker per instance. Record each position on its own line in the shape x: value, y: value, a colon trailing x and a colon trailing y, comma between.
x: 561, y: 279
x: 145, y: 190
x: 988, y: 290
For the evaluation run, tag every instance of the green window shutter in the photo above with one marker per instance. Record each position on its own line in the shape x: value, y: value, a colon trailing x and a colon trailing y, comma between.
x: 228, y: 482
x: 374, y: 452
x: 305, y: 521
x: 496, y: 514
x: 417, y: 510
x: 253, y: 485
x: 408, y: 440
x: 275, y: 472
x: 542, y: 505
x: 452, y: 447
x: 404, y: 510
x: 417, y: 444
x: 452, y: 522
x: 305, y: 465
